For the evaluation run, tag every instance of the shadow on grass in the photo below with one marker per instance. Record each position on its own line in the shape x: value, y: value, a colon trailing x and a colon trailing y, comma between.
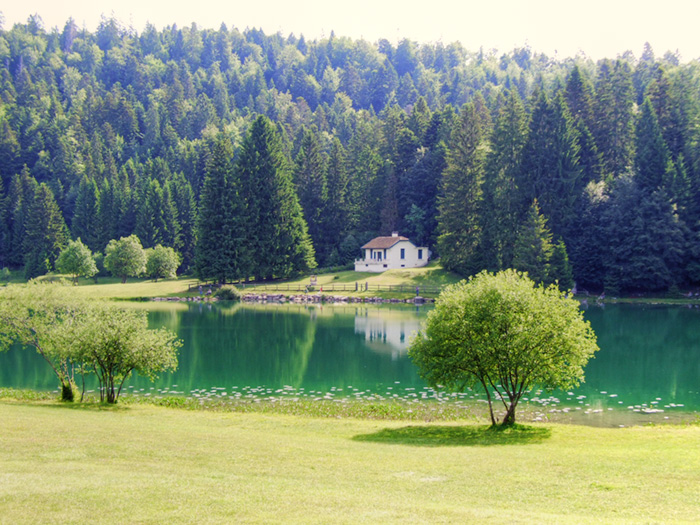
x: 454, y: 436
x: 89, y: 406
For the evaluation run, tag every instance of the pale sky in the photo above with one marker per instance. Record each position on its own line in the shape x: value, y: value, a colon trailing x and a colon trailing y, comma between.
x: 599, y: 28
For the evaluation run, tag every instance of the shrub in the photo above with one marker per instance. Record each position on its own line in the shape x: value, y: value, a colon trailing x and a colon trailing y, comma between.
x: 228, y: 293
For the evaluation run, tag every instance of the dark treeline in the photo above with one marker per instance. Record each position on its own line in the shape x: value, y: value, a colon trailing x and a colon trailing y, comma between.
x: 259, y: 155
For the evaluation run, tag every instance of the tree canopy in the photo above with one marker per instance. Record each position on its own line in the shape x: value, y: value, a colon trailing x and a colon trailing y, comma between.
x: 115, y: 133
x: 125, y: 258
x: 505, y: 334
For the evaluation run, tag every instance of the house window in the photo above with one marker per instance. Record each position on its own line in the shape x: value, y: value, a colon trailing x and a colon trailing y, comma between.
x: 420, y: 253
x: 403, y: 253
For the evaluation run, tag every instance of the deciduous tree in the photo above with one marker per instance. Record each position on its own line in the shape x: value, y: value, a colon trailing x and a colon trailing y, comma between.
x: 506, y: 334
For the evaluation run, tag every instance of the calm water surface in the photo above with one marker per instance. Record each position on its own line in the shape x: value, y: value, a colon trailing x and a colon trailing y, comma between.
x: 649, y: 358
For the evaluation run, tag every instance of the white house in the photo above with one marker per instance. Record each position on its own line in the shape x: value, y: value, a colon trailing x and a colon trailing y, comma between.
x: 387, y: 253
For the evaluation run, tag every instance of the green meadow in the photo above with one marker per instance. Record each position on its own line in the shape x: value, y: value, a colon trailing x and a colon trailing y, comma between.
x: 148, y: 464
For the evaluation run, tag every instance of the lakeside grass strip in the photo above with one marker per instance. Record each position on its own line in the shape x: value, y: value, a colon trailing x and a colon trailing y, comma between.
x: 149, y: 464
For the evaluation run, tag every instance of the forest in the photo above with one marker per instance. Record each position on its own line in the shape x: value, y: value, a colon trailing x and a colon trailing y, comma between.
x: 262, y: 156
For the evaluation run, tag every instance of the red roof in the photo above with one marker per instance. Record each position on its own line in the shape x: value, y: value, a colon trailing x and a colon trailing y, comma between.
x: 380, y: 243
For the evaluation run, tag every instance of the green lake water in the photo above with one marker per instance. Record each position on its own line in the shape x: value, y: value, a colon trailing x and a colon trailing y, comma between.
x: 648, y: 363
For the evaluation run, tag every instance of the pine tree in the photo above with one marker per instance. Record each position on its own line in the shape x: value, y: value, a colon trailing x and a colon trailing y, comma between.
x: 150, y: 217
x: 652, y: 157
x: 501, y: 212
x: 461, y: 196
x: 184, y: 200
x: 550, y: 170
x: 560, y: 268
x: 20, y: 200
x: 277, y: 234
x: 86, y: 217
x: 614, y: 128
x: 221, y: 248
x: 533, y: 246
x: 312, y: 189
x: 46, y: 234
x: 337, y: 216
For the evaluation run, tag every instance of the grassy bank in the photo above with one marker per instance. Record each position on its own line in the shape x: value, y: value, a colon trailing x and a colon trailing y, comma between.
x: 147, y: 464
x: 431, y: 277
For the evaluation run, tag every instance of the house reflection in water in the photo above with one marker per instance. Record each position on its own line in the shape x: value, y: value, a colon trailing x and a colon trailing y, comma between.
x: 387, y: 332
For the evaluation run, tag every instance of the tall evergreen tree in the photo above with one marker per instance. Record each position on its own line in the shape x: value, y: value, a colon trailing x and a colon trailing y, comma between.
x: 533, y: 246
x: 312, y: 189
x: 46, y: 234
x: 461, y: 196
x: 20, y: 201
x: 277, y: 233
x: 501, y: 213
x: 614, y: 128
x: 652, y: 157
x: 550, y: 164
x: 86, y: 221
x: 337, y: 216
x: 184, y: 201
x: 220, y: 252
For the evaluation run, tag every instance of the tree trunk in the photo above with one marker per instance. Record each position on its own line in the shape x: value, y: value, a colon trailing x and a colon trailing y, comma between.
x: 509, y: 419
x: 67, y: 393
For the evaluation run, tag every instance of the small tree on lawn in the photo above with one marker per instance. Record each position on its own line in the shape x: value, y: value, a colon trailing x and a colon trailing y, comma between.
x: 125, y: 257
x: 508, y: 335
x: 162, y: 262
x: 76, y: 259
x: 114, y: 342
x: 42, y: 316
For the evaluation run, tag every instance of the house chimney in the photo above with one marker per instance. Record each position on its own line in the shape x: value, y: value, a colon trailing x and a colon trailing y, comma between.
x: 394, y: 234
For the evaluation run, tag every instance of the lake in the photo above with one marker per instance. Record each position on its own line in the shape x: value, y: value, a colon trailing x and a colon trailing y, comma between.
x: 649, y: 362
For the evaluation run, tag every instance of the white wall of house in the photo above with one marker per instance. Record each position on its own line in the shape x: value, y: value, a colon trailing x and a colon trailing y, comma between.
x: 403, y: 254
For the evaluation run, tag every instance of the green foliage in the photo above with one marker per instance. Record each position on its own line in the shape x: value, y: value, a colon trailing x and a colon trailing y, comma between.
x: 533, y: 246
x: 77, y: 260
x: 125, y: 258
x: 122, y: 130
x: 42, y: 316
x: 222, y: 252
x: 228, y: 293
x: 506, y: 334
x: 114, y: 342
x: 461, y: 200
x: 162, y: 262
x: 276, y: 232
x: 45, y: 235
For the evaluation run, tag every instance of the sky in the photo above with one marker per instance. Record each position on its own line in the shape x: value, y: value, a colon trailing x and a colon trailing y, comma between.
x: 562, y: 28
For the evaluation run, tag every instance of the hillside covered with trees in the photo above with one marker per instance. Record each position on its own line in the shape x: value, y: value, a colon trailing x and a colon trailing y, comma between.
x: 257, y: 155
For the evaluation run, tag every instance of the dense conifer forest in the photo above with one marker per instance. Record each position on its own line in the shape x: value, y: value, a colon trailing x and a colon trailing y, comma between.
x: 256, y: 155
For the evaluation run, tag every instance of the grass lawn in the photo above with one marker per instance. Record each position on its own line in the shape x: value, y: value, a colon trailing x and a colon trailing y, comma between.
x: 148, y: 464
x: 432, y: 275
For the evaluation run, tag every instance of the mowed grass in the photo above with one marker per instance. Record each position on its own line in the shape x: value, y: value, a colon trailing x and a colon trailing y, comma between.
x: 113, y: 288
x: 432, y: 275
x: 148, y: 464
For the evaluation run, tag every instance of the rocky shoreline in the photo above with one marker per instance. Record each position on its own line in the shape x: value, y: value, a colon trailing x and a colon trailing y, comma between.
x: 303, y: 299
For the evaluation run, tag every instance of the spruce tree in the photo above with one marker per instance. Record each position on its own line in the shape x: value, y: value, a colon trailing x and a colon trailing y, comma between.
x: 614, y: 120
x: 46, y: 234
x: 652, y: 157
x: 461, y: 196
x: 533, y: 246
x: 550, y: 170
x: 312, y: 189
x: 220, y: 231
x: 86, y: 222
x: 501, y: 212
x: 276, y: 232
